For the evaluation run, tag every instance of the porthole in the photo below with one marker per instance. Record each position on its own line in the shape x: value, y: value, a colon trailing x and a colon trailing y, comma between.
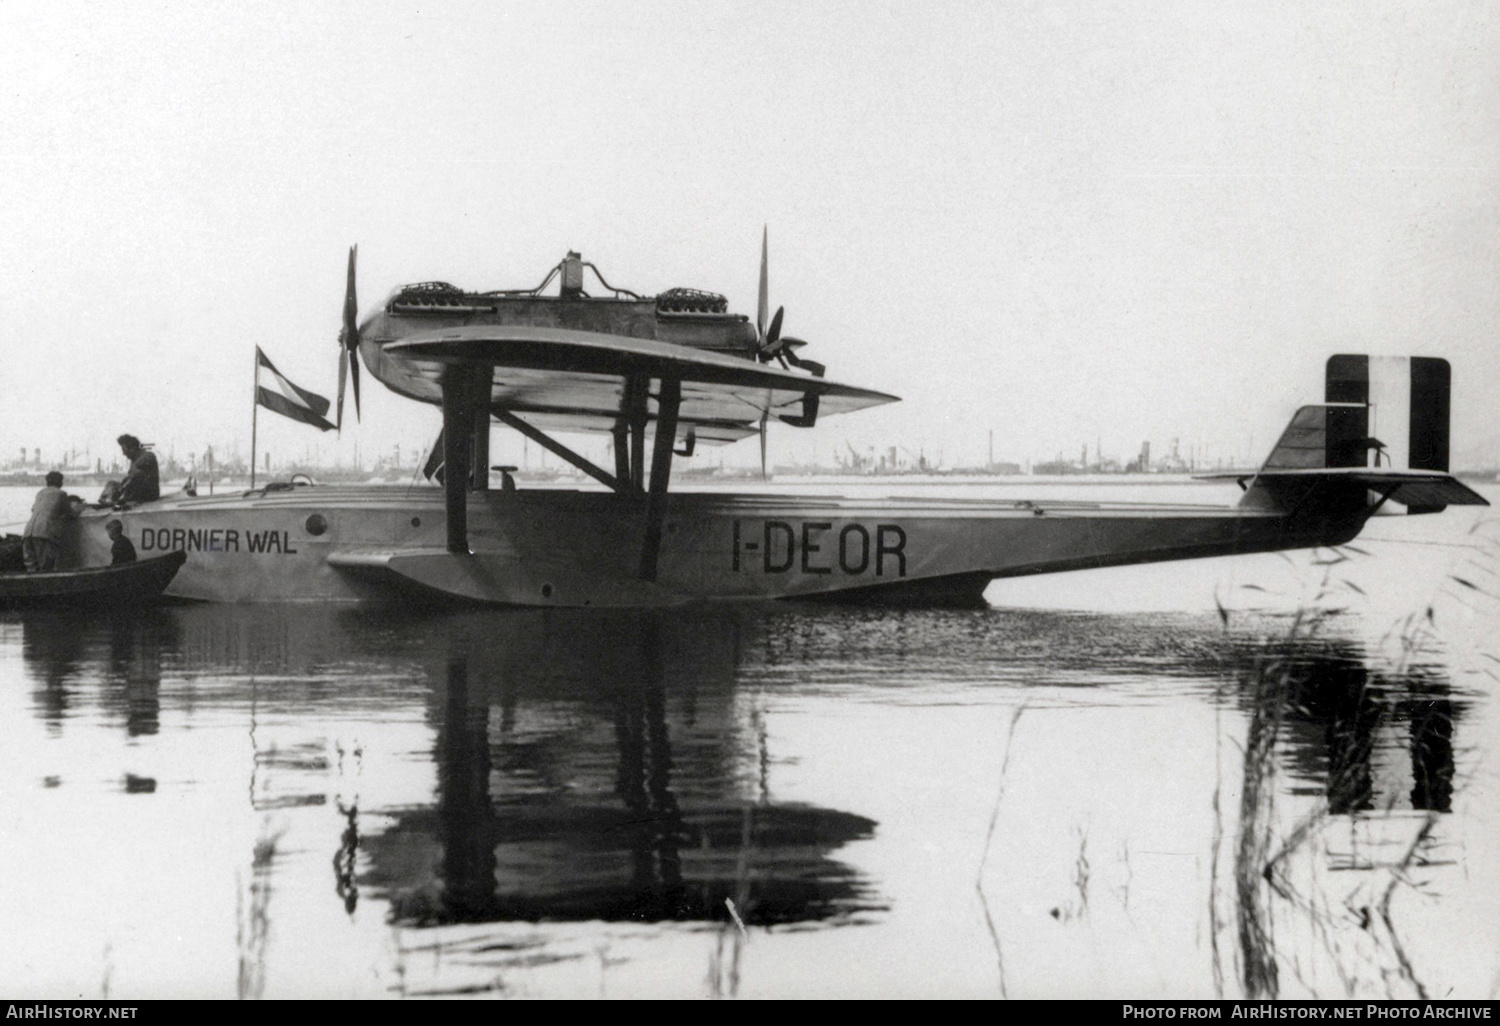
x: 546, y: 591
x: 317, y: 524
x: 416, y: 521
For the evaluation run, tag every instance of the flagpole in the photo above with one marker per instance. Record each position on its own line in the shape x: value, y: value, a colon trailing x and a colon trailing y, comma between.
x: 254, y: 415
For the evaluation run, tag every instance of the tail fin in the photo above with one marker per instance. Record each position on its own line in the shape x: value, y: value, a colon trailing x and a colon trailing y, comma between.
x: 1381, y: 434
x: 1320, y: 437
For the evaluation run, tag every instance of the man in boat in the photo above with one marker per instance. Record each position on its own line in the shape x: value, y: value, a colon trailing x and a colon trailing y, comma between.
x: 50, y: 514
x: 141, y: 483
x: 121, y: 549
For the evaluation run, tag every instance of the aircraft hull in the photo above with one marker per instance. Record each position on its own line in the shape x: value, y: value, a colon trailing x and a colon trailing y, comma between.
x: 570, y: 548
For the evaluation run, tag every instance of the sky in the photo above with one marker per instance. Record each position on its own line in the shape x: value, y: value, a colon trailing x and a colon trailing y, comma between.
x: 1063, y: 223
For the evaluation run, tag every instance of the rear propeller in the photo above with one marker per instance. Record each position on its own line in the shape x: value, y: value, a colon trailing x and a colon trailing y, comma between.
x: 771, y: 344
x: 349, y: 340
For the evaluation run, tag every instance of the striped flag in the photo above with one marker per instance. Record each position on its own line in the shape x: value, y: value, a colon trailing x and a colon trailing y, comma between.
x: 276, y: 392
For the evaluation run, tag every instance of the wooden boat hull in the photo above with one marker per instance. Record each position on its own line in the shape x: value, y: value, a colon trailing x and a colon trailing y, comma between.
x: 122, y: 586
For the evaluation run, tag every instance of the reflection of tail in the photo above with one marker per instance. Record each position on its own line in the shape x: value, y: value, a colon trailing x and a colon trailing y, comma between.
x: 1381, y: 435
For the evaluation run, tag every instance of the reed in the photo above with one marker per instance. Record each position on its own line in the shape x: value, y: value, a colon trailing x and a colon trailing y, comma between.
x: 731, y: 936
x: 1294, y: 919
x: 989, y: 840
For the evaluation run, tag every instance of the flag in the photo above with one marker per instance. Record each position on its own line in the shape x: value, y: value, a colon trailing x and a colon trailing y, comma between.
x: 275, y: 392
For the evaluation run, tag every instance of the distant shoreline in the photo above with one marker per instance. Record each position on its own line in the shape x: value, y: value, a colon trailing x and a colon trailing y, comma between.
x: 36, y: 479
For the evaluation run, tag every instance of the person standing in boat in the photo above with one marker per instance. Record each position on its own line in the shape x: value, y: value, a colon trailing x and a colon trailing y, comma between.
x: 141, y: 483
x: 50, y: 514
x: 121, y: 549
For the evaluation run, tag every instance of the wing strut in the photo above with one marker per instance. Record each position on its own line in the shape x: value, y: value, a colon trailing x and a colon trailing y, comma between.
x: 637, y: 391
x: 667, y: 404
x: 460, y: 385
x: 621, y: 434
x: 557, y: 449
x: 479, y: 455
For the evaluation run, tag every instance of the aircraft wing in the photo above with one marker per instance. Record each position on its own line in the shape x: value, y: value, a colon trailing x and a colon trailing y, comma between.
x: 562, y: 379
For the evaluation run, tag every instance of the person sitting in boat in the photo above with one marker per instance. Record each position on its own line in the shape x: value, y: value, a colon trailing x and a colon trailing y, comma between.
x: 121, y: 549
x: 50, y: 514
x: 141, y: 483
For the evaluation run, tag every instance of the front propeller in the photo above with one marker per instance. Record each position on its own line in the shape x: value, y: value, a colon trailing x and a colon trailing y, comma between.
x: 349, y: 340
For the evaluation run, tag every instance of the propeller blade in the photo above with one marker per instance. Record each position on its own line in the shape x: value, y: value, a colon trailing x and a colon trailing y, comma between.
x: 765, y: 416
x: 349, y: 338
x: 760, y: 309
x: 351, y: 305
x: 774, y: 331
x: 354, y: 367
x: 343, y: 373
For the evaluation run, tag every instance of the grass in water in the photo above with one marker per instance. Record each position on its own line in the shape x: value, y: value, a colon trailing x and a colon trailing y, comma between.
x: 1314, y: 898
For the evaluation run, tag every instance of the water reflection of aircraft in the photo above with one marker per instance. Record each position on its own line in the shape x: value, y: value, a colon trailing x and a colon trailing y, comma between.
x: 615, y: 785
x: 590, y: 764
x: 662, y: 375
x: 1305, y: 895
x: 1364, y: 739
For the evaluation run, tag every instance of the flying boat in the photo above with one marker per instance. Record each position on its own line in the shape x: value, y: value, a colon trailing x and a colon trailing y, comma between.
x: 663, y: 376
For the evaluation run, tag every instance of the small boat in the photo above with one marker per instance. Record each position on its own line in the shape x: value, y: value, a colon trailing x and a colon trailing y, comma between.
x: 123, y: 584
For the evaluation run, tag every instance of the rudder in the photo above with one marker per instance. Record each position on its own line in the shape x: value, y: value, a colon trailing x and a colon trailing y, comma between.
x: 1401, y: 402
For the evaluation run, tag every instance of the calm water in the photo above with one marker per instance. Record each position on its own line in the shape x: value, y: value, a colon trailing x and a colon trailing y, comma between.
x: 1099, y: 787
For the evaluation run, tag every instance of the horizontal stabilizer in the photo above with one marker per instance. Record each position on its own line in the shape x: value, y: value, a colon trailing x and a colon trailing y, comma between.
x: 1410, y: 488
